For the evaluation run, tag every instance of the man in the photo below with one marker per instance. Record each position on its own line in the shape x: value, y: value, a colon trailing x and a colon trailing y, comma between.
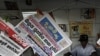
x: 84, y: 49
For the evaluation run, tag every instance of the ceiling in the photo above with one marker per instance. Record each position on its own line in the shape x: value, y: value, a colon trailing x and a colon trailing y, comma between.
x: 53, y: 5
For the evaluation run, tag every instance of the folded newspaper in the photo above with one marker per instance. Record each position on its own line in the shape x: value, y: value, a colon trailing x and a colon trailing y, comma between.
x: 11, y: 44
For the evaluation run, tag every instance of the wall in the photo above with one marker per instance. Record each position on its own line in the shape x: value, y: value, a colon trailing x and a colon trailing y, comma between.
x: 11, y: 13
x: 64, y: 16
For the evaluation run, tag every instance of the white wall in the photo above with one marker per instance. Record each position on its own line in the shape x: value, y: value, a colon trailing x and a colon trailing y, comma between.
x: 10, y: 13
x: 64, y: 16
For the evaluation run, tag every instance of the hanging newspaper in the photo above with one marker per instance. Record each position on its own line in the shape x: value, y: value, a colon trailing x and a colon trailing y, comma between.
x: 43, y: 35
x: 98, y: 42
x: 11, y: 44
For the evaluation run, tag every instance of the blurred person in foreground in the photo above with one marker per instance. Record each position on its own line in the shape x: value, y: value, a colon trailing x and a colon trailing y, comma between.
x: 83, y: 49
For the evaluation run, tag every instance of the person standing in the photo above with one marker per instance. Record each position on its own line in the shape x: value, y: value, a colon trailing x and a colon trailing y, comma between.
x: 83, y: 49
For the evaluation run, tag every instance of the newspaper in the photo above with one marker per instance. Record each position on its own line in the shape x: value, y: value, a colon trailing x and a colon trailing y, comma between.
x: 11, y: 44
x: 98, y: 42
x: 43, y: 35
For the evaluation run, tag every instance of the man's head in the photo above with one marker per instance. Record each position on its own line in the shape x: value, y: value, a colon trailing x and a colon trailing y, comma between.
x: 83, y: 39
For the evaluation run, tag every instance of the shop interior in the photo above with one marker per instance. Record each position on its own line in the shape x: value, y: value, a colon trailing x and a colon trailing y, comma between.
x: 66, y: 14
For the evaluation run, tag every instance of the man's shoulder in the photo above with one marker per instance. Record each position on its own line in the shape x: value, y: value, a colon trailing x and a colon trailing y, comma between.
x: 89, y: 45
